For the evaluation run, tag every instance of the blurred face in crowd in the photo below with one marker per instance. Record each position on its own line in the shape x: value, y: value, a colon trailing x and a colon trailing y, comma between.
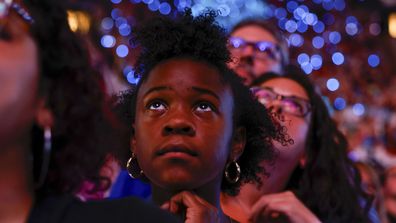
x: 289, y: 101
x: 254, y: 51
x: 18, y: 77
x: 183, y: 125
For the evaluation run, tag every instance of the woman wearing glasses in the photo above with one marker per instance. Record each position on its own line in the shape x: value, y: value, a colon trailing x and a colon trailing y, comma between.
x: 52, y: 128
x: 257, y: 47
x: 312, y: 179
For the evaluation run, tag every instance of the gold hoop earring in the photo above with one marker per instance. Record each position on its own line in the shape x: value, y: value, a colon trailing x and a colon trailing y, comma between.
x: 133, y: 167
x: 47, y: 147
x: 232, y: 172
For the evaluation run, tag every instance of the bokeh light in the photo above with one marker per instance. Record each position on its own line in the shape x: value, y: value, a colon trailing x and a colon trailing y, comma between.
x: 338, y: 58
x: 358, y: 109
x: 108, y: 41
x: 373, y: 60
x: 122, y: 51
x: 332, y: 84
x: 339, y: 103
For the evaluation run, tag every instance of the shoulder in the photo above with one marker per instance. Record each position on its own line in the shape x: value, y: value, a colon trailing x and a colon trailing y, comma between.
x: 118, y: 210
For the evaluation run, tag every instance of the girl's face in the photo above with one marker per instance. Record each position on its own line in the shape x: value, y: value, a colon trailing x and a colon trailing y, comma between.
x: 18, y: 78
x: 290, y: 103
x: 183, y: 127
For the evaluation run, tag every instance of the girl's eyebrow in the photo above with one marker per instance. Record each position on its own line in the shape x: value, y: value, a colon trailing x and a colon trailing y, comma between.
x: 156, y: 89
x: 206, y: 91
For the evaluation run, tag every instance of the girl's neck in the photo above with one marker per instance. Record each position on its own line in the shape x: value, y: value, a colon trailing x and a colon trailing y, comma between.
x: 16, y: 190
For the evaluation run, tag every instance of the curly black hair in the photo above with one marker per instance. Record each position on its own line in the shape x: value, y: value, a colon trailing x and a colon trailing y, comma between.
x: 80, y: 140
x: 329, y: 185
x: 202, y: 39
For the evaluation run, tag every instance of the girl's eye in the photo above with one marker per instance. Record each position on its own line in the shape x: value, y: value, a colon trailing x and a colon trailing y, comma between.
x: 204, y: 107
x: 156, y: 105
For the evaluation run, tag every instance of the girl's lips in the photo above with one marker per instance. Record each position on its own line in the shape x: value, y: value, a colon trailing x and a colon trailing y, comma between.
x: 176, y: 150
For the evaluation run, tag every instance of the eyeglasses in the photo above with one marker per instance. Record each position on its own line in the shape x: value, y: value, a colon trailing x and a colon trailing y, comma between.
x: 6, y: 6
x: 262, y: 49
x: 289, y: 104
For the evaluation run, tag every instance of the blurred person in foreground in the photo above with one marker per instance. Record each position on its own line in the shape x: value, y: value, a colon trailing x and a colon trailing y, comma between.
x: 52, y: 136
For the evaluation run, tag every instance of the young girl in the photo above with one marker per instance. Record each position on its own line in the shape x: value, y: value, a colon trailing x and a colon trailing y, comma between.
x: 312, y: 179
x: 196, y: 129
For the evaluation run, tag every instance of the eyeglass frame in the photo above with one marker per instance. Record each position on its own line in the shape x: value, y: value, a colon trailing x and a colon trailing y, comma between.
x: 9, y: 5
x: 275, y: 50
x: 280, y: 97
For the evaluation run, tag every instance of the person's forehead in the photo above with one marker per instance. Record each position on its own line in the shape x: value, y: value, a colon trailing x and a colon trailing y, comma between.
x: 287, y: 87
x: 254, y: 33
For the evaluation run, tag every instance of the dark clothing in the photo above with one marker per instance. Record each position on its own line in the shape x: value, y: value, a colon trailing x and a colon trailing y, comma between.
x: 391, y: 218
x: 67, y: 209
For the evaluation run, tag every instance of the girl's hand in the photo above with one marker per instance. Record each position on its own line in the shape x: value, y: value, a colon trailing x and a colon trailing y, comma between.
x: 193, y: 208
x: 281, y: 207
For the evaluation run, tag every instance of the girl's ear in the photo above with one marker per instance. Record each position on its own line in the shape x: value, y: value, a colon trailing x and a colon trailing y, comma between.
x: 303, y: 161
x: 44, y: 116
x: 238, y: 143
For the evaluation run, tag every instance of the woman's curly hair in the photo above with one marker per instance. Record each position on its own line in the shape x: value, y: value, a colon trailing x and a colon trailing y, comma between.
x: 201, y: 39
x: 329, y: 184
x: 72, y: 92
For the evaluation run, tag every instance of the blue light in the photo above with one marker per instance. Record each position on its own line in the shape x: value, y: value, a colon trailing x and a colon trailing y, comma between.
x: 291, y: 6
x: 307, y: 68
x: 120, y: 21
x: 319, y: 27
x: 334, y: 37
x: 122, y: 51
x: 339, y: 103
x: 310, y: 19
x: 116, y: 1
x: 282, y: 23
x: 127, y: 70
x: 107, y: 23
x: 182, y: 4
x: 131, y: 78
x: 351, y: 19
x: 303, y: 58
x: 300, y: 13
x: 135, y: 1
x: 328, y: 5
x: 296, y: 40
x: 316, y: 61
x: 165, y: 8
x: 358, y: 109
x: 328, y: 19
x: 280, y: 13
x: 148, y: 1
x: 291, y: 26
x: 338, y: 58
x: 154, y: 6
x: 333, y: 84
x: 302, y: 27
x: 107, y: 41
x: 197, y: 9
x: 318, y: 42
x: 317, y: 1
x: 115, y: 13
x: 124, y: 29
x: 351, y: 29
x: 339, y: 5
x: 224, y: 10
x: 373, y: 60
